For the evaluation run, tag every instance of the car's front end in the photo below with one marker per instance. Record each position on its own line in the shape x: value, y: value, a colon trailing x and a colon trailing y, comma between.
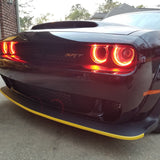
x: 90, y: 80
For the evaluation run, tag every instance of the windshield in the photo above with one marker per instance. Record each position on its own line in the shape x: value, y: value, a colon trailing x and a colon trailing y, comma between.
x: 144, y: 20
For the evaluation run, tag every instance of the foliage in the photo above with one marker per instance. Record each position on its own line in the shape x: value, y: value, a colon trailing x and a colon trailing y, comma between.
x: 25, y: 3
x: 107, y: 6
x: 77, y: 12
x: 140, y: 6
x: 43, y: 18
x: 26, y: 21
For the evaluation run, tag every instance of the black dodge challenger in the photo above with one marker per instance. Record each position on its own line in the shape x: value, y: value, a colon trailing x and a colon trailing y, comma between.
x: 102, y: 77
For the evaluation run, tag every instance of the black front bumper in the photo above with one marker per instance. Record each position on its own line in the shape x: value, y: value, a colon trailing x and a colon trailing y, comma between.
x: 126, y: 90
x: 126, y: 131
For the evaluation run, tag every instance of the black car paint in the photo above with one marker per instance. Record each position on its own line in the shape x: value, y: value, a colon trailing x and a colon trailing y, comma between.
x: 75, y: 79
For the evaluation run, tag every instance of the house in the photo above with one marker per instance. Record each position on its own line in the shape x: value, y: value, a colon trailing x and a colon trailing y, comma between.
x: 8, y: 17
x: 124, y: 8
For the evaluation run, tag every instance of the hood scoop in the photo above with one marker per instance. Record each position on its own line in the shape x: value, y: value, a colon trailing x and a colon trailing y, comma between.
x: 65, y: 25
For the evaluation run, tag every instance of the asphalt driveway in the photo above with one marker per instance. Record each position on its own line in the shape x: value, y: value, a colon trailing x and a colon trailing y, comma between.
x: 24, y: 136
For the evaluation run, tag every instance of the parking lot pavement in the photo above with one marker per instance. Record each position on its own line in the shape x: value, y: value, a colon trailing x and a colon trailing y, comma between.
x: 24, y: 136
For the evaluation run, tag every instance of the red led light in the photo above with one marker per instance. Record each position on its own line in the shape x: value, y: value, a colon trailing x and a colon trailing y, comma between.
x: 7, y: 56
x: 4, y: 47
x: 95, y: 67
x: 99, y: 54
x: 17, y: 59
x: 12, y: 47
x: 9, y: 51
x: 112, y: 58
x: 123, y: 55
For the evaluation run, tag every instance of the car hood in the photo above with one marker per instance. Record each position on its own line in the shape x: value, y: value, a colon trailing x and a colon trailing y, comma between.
x: 111, y: 29
x: 107, y: 28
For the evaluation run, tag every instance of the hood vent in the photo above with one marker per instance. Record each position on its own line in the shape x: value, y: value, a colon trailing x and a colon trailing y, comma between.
x: 65, y: 25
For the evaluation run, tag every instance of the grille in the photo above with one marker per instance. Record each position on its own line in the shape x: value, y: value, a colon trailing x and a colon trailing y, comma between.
x: 98, y: 109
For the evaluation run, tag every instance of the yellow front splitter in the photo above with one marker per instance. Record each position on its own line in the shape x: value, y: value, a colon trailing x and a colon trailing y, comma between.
x: 74, y: 121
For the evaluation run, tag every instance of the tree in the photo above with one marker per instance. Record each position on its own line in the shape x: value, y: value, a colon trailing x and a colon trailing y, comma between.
x: 107, y: 6
x: 43, y: 18
x: 26, y: 21
x: 140, y: 6
x: 77, y: 12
